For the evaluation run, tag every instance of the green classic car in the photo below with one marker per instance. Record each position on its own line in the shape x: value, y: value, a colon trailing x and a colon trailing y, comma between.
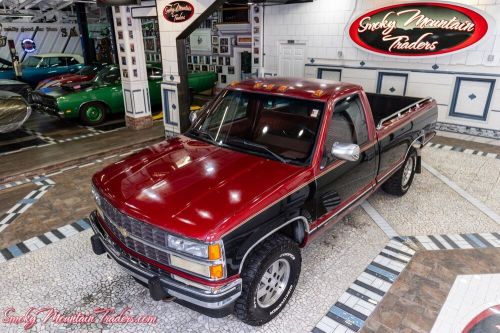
x: 92, y: 101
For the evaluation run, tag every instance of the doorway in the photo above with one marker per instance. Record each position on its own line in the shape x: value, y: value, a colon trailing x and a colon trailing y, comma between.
x: 291, y: 59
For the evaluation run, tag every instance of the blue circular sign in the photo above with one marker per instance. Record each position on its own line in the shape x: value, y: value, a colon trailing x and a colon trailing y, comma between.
x: 28, y: 45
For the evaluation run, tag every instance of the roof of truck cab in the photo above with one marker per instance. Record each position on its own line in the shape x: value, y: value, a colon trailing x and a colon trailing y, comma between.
x: 313, y: 89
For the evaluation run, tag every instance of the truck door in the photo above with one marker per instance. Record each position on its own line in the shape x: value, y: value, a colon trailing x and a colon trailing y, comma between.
x: 339, y: 181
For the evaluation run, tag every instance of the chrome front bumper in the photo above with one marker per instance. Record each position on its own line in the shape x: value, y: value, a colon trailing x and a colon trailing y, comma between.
x: 206, y: 297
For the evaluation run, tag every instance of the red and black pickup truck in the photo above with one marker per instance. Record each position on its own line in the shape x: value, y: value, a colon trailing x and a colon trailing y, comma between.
x: 216, y: 217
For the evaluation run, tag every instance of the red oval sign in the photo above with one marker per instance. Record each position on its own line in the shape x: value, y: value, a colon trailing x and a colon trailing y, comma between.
x: 178, y: 11
x: 418, y: 29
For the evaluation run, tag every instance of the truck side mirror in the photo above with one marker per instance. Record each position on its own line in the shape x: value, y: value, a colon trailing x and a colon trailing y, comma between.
x: 192, y: 116
x: 346, y: 151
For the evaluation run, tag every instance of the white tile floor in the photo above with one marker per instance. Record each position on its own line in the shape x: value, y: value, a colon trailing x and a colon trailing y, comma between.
x: 468, y: 297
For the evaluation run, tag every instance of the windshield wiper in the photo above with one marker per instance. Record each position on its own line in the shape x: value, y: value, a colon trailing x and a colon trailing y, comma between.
x: 205, y: 134
x: 258, y: 146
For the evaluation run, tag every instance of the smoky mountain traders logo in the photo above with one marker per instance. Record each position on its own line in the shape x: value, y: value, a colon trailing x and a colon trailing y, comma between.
x: 418, y: 29
x: 178, y: 11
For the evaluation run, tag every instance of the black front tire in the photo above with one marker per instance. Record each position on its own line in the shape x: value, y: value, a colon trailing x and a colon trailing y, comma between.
x: 399, y: 183
x: 278, y: 248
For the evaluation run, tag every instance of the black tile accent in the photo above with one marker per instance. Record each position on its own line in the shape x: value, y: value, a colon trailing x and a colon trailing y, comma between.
x: 342, y: 321
x: 77, y: 226
x: 378, y: 275
x: 6, y: 253
x: 44, y: 239
x: 350, y: 310
x: 484, y: 241
x: 497, y: 235
x: 470, y: 241
x: 398, y: 251
x: 370, y: 288
x: 385, y: 268
x: 23, y: 248
x: 317, y: 330
x: 361, y: 296
x: 435, y: 241
x: 383, y: 254
x: 450, y: 241
x: 58, y: 234
x: 415, y: 240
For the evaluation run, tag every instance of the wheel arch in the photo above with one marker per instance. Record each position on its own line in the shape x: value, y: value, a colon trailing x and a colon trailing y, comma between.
x: 106, y: 106
x: 295, y: 228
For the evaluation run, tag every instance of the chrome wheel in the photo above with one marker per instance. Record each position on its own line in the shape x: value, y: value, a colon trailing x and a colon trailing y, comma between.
x: 273, y: 283
x: 407, y: 172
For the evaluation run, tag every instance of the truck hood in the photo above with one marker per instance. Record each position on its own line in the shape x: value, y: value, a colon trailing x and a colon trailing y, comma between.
x: 193, y: 188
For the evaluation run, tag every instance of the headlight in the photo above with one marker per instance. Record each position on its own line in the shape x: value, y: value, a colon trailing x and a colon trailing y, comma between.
x: 205, y: 251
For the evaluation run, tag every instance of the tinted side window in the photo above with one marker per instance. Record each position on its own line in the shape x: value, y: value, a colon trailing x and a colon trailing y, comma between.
x: 348, y: 124
x: 72, y: 61
x: 56, y: 61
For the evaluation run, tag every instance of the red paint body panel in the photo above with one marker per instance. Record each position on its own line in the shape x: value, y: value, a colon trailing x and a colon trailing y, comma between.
x: 59, y: 80
x: 195, y: 189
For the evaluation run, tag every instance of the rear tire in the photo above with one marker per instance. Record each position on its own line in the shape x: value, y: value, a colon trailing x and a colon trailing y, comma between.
x: 399, y: 183
x: 269, y: 279
x: 93, y: 113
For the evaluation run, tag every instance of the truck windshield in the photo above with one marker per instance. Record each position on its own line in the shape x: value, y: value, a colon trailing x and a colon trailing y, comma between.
x: 277, y: 127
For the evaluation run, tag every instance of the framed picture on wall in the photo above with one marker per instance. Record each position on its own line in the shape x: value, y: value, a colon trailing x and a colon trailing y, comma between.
x: 223, y: 78
x: 215, y: 40
x: 125, y: 73
x: 201, y: 59
x: 190, y: 67
x: 208, y: 59
x: 224, y: 41
x: 214, y: 60
x: 130, y: 34
x: 228, y: 61
x: 118, y: 22
x: 195, y: 59
x: 244, y: 40
x: 230, y: 70
x: 215, y: 50
x: 129, y: 21
x: 135, y: 72
x: 204, y: 68
x: 124, y: 61
x: 132, y: 48
x: 120, y: 34
x: 211, y: 68
x: 197, y: 68
x: 190, y: 59
x: 221, y: 61
x: 219, y: 69
x: 256, y: 60
x: 223, y: 49
x: 133, y: 61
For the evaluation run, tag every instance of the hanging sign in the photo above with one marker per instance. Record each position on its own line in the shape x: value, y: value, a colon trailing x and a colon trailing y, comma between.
x: 178, y: 11
x: 418, y: 29
x: 28, y: 45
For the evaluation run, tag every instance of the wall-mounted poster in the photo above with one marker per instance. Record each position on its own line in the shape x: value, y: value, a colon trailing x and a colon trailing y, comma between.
x: 223, y: 78
x: 132, y: 48
x: 228, y: 61
x: 197, y: 68
x: 120, y: 34
x: 230, y: 70
x: 211, y: 68
x: 190, y: 67
x: 419, y: 29
x: 219, y: 69
x: 133, y: 61
x: 124, y: 61
x: 195, y: 59
x: 215, y: 50
x: 204, y: 68
x: 118, y: 22
x: 125, y: 73
x: 201, y: 40
x: 215, y: 40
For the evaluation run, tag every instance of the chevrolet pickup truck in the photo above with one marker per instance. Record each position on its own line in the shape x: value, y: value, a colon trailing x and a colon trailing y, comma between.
x: 216, y: 217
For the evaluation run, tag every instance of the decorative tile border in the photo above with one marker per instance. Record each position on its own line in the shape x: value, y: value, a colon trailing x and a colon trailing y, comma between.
x: 463, y: 150
x: 47, y: 238
x: 31, y: 198
x: 469, y: 130
x: 361, y: 298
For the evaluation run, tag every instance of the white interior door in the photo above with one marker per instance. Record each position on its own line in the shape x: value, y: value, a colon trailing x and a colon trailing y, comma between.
x: 291, y: 60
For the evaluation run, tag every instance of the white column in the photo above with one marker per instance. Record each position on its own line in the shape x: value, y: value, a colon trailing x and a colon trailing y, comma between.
x: 132, y: 61
x: 169, y: 32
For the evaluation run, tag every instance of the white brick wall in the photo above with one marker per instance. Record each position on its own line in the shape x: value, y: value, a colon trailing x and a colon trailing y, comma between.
x: 322, y: 24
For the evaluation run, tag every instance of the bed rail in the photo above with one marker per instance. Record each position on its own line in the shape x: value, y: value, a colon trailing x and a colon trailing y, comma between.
x: 398, y: 114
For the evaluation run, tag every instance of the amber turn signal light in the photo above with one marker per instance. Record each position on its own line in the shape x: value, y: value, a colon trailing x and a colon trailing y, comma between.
x: 214, y: 252
x: 217, y: 271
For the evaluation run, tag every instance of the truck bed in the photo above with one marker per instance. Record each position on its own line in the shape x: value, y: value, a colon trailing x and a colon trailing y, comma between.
x: 385, y: 105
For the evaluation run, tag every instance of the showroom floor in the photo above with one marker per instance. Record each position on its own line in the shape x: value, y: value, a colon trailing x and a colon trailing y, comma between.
x: 446, y: 229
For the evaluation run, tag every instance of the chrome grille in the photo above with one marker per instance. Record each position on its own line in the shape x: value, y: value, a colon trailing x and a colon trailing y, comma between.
x: 116, y: 220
